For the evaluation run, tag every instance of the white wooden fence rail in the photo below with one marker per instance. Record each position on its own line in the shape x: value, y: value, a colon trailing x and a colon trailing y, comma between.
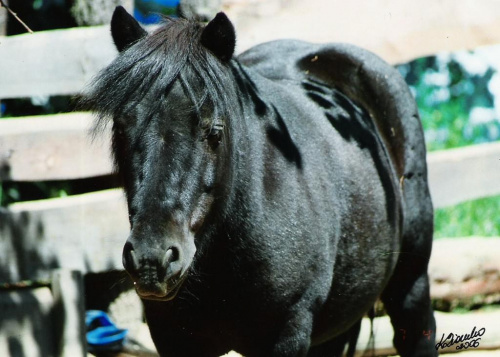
x: 56, y: 62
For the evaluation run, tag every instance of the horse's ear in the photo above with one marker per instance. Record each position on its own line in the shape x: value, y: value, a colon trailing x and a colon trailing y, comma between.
x: 125, y: 29
x: 219, y: 37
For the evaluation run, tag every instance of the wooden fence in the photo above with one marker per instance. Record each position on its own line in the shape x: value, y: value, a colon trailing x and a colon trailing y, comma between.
x: 58, y: 240
x: 49, y: 245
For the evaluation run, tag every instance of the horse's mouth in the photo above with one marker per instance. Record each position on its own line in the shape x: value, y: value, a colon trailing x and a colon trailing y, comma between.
x: 160, y: 291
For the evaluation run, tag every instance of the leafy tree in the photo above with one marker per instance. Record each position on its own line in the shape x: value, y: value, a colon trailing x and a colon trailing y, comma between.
x: 447, y: 94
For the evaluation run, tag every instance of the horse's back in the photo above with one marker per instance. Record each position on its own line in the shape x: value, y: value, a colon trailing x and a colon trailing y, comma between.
x: 363, y: 77
x: 374, y: 85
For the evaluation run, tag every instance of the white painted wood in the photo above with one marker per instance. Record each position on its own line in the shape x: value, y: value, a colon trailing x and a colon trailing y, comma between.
x: 61, y: 62
x: 53, y: 147
x: 397, y: 31
x: 54, y: 62
x: 463, y: 174
x: 81, y: 232
x: 69, y: 313
x: 26, y: 325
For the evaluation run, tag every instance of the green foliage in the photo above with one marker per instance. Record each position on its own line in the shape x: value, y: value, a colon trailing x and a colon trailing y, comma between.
x: 37, y: 4
x: 473, y: 218
x: 446, y: 94
x: 12, y: 192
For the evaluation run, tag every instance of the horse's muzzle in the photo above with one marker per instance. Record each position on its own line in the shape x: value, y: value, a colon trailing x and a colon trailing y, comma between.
x: 157, y: 275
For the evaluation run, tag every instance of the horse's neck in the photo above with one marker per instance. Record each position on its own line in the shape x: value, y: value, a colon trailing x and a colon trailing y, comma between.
x: 248, y: 140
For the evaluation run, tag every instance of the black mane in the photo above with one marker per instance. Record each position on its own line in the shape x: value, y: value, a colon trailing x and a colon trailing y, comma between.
x: 151, y: 66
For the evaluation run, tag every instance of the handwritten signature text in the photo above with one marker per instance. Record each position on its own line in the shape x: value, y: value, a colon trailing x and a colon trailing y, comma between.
x: 463, y: 342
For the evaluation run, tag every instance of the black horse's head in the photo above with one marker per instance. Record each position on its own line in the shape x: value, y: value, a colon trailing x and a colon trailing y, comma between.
x: 167, y: 95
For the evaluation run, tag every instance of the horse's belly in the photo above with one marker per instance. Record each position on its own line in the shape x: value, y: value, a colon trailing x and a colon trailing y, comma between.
x: 360, y: 275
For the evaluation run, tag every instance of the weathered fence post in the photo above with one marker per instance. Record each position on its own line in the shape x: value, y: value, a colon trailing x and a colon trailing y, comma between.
x: 3, y: 19
x: 69, y: 313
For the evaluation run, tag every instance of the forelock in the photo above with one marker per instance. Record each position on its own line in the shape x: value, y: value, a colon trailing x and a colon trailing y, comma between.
x: 151, y: 66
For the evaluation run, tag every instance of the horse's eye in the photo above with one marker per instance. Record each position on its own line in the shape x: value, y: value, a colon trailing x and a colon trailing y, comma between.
x: 214, y: 138
x: 213, y: 135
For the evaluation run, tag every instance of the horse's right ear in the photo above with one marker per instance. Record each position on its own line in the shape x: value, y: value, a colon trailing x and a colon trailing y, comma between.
x: 125, y: 29
x: 219, y: 37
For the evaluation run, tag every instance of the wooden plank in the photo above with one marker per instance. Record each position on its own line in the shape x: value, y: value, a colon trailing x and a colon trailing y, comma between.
x: 26, y: 323
x: 82, y: 232
x: 45, y: 322
x: 69, y: 313
x: 55, y: 147
x: 397, y: 31
x: 53, y: 62
x: 62, y: 61
x: 475, y: 279
x: 462, y: 174
x: 3, y: 20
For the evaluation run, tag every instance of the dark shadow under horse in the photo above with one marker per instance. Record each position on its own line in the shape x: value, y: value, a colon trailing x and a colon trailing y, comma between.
x: 273, y: 197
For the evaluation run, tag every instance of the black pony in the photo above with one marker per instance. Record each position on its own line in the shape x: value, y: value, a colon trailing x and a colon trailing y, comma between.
x: 273, y: 197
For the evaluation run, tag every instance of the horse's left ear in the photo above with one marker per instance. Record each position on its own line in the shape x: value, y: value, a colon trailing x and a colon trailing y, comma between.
x: 219, y: 37
x: 125, y: 29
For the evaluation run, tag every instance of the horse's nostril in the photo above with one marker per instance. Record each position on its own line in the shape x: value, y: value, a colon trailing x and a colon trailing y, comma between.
x: 171, y: 255
x: 130, y: 261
